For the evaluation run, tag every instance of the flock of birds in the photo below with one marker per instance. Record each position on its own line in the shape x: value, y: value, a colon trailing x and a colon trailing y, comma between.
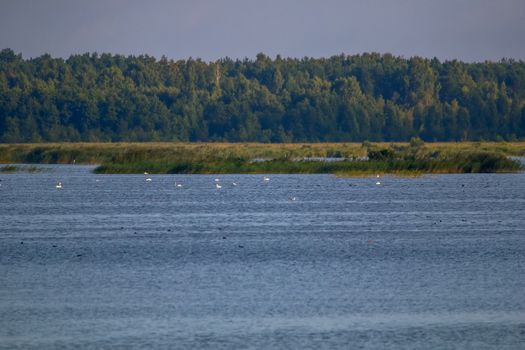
x: 218, y: 185
x: 217, y: 182
x: 178, y: 184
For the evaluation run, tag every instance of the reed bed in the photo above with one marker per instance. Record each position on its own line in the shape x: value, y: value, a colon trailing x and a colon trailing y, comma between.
x: 415, y: 157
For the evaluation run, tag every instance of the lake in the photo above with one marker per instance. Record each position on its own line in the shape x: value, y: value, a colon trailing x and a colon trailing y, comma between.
x: 299, y: 261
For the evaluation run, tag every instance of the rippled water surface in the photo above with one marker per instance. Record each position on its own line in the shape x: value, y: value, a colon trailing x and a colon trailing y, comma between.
x: 114, y: 261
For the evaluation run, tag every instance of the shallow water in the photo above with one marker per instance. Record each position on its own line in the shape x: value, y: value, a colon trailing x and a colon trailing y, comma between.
x: 113, y: 261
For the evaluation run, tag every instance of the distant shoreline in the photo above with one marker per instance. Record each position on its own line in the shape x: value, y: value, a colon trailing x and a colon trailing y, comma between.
x: 353, y: 159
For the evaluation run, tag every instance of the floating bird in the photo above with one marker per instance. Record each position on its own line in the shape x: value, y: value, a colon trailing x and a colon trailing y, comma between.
x: 234, y: 184
x: 378, y: 183
x: 148, y: 179
x: 293, y: 199
x: 377, y: 175
x: 266, y: 178
x: 217, y: 180
x: 178, y: 185
x: 59, y: 185
x: 218, y: 186
x: 146, y: 173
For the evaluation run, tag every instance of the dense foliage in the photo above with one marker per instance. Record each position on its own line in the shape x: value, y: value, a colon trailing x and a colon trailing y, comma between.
x: 373, y: 97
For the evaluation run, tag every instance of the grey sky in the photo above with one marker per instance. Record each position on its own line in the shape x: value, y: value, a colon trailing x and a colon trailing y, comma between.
x: 471, y: 30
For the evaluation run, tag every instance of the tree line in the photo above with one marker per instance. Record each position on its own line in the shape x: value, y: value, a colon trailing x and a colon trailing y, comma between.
x: 375, y: 97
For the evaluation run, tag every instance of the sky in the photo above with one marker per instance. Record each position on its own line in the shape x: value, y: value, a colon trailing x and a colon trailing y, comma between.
x: 468, y: 30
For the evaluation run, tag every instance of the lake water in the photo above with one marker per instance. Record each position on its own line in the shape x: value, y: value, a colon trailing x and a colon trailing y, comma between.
x: 113, y: 261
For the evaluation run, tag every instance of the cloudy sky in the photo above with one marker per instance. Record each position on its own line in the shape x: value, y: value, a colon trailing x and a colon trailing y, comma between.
x: 470, y: 30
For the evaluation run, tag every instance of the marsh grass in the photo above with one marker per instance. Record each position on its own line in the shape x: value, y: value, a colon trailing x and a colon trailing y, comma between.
x: 411, y: 158
x: 19, y: 168
x: 8, y: 169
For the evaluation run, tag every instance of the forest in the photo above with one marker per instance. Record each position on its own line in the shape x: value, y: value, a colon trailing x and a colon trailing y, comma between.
x: 344, y: 98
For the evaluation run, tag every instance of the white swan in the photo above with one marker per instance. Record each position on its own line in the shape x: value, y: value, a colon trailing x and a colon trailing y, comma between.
x: 266, y: 178
x: 148, y: 179
x: 378, y: 183
x: 218, y: 186
x: 178, y: 185
x: 59, y: 185
x: 217, y: 180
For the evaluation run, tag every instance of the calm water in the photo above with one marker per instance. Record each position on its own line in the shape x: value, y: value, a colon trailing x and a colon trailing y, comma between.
x: 113, y: 261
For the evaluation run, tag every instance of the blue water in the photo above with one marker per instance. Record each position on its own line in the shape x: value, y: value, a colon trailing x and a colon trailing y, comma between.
x: 113, y: 261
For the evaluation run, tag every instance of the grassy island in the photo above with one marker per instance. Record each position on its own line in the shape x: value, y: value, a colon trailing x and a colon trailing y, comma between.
x: 413, y: 158
x: 18, y: 168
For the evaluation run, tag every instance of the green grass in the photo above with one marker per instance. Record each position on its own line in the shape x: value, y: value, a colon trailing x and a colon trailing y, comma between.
x: 459, y: 163
x: 24, y: 168
x: 8, y: 169
x: 207, y: 158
